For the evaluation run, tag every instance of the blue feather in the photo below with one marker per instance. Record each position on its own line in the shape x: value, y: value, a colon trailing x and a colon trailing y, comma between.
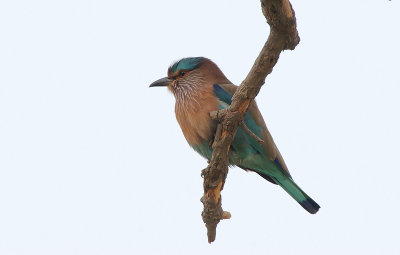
x: 222, y: 94
x: 186, y: 64
x: 243, y: 144
x: 204, y: 149
x: 278, y: 163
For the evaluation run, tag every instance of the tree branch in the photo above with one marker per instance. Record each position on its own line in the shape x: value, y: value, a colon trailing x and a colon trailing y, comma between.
x: 283, y: 35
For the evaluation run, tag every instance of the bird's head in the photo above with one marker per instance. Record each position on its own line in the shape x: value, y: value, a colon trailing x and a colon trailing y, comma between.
x: 191, y: 74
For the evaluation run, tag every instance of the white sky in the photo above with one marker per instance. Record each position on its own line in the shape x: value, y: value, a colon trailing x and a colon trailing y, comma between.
x: 92, y: 161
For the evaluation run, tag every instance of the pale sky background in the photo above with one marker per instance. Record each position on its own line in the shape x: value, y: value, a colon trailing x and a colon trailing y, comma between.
x: 92, y: 161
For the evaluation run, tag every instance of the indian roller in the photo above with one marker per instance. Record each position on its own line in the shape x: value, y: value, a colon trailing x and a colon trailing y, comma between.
x: 200, y: 87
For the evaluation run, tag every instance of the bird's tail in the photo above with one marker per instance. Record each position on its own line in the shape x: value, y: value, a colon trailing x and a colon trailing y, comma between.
x: 299, y: 195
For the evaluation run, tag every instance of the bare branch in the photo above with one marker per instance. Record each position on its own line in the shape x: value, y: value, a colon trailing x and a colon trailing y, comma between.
x: 283, y: 35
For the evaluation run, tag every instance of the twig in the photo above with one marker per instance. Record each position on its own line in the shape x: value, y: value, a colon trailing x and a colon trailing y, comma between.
x: 258, y: 139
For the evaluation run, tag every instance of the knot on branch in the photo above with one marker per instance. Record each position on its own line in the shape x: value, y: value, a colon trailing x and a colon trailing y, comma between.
x: 218, y: 115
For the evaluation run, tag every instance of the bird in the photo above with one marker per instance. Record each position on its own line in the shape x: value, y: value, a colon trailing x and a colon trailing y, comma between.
x: 200, y: 87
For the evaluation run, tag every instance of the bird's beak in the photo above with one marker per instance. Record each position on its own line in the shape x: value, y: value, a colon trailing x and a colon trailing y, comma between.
x: 163, y: 82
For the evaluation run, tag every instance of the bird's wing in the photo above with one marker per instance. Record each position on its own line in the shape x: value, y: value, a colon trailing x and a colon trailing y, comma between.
x: 254, y: 121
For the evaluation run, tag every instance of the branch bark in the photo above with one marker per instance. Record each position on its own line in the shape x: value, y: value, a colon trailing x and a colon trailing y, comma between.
x: 283, y: 36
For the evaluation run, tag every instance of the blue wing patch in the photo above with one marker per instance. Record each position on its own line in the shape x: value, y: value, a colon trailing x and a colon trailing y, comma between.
x: 241, y: 135
x: 276, y: 160
x: 227, y: 98
x: 222, y: 94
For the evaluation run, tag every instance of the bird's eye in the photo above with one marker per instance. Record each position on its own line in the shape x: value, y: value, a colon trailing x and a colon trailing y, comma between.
x: 182, y: 73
